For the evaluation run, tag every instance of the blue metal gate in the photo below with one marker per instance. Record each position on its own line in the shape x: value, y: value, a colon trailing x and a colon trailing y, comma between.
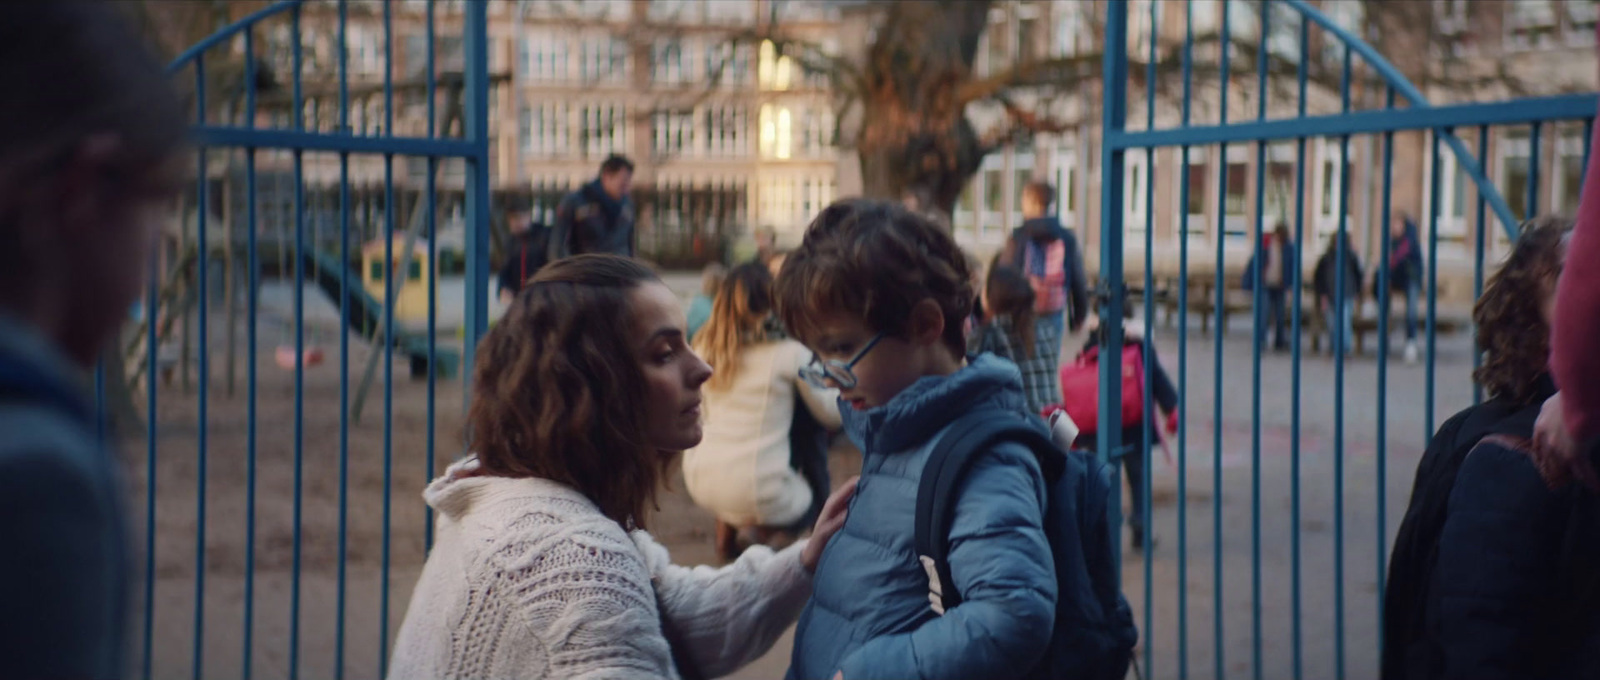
x: 253, y: 563
x: 1286, y: 601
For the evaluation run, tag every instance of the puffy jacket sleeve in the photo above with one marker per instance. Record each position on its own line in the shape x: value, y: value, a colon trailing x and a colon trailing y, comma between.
x: 730, y: 616
x: 1001, y: 563
x: 1496, y: 559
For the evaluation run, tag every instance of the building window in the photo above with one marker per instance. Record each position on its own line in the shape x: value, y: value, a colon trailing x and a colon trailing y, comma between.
x: 1569, y: 174
x: 1136, y: 175
x: 544, y: 58
x: 1529, y: 23
x: 730, y: 64
x: 669, y: 63
x: 1235, y: 201
x: 1453, y: 181
x: 1346, y: 14
x: 1330, y: 187
x: 545, y: 129
x: 1454, y: 23
x: 1068, y: 34
x: 1279, y: 201
x: 725, y: 136
x: 604, y: 129
x: 996, y: 49
x: 1198, y: 176
x: 672, y: 133
x: 604, y: 60
x: 1581, y: 16
x: 1144, y: 31
x: 1513, y: 152
x: 1065, y: 176
x: 776, y: 72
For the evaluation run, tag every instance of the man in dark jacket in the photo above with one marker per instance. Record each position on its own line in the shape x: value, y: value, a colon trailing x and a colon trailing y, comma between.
x: 1338, y: 305
x: 1048, y: 254
x: 91, y: 153
x: 597, y: 218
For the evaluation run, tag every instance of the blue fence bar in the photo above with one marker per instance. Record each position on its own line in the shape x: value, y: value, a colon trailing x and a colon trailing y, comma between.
x: 202, y: 257
x: 1258, y: 290
x: 253, y: 288
x: 298, y: 116
x: 1296, y: 599
x: 433, y: 264
x: 1219, y: 641
x: 1183, y: 354
x: 390, y: 208
x: 344, y: 346
x: 1145, y: 510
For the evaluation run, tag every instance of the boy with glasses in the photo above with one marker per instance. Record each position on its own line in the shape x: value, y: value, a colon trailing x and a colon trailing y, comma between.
x: 880, y: 295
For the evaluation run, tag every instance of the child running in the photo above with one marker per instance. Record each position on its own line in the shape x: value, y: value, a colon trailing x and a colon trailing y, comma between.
x: 880, y: 295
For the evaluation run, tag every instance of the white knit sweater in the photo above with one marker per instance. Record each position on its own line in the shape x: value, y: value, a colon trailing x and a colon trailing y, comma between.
x: 529, y: 580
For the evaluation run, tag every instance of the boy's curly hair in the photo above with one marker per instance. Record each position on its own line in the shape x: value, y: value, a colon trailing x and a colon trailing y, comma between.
x: 874, y: 260
x: 1512, y: 332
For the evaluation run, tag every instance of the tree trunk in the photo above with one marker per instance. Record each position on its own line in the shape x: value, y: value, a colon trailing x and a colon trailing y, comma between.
x: 916, y: 144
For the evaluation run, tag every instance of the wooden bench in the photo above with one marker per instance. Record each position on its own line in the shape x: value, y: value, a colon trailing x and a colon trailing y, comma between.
x: 1203, y: 299
x: 1366, y: 322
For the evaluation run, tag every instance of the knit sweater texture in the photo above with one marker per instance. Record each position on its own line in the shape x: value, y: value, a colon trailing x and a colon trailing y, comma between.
x: 529, y: 580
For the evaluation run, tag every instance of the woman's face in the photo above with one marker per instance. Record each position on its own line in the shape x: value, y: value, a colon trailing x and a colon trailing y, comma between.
x: 1547, y: 303
x: 673, y: 373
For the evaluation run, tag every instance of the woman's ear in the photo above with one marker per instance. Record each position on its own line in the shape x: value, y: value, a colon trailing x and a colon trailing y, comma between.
x: 926, y: 323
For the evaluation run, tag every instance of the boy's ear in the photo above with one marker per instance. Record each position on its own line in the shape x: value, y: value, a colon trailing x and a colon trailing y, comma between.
x: 926, y: 323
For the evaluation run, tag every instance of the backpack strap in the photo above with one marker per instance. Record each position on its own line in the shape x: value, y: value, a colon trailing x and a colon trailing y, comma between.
x: 970, y: 436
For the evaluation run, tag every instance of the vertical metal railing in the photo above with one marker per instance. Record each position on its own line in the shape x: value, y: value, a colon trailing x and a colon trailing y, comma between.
x: 299, y: 36
x: 1373, y: 115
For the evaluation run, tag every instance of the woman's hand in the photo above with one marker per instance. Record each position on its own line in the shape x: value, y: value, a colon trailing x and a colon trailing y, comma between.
x: 1551, y: 439
x: 829, y: 521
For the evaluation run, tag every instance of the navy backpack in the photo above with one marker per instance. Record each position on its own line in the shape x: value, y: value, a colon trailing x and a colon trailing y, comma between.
x: 1094, y: 633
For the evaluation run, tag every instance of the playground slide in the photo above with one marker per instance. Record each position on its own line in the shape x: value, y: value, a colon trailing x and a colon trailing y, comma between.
x: 364, y: 315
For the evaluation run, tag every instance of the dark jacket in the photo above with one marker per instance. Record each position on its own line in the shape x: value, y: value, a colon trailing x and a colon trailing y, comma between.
x: 63, y: 565
x: 590, y: 221
x: 1324, y: 280
x: 1291, y: 270
x: 528, y: 253
x: 1496, y: 570
x: 1043, y: 231
x: 1405, y: 258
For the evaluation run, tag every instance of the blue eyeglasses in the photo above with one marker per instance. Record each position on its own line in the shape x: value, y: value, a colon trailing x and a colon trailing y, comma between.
x: 819, y: 372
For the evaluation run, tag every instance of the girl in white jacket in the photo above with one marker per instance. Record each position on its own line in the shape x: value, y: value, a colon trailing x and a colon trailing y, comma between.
x: 745, y: 470
x: 582, y: 396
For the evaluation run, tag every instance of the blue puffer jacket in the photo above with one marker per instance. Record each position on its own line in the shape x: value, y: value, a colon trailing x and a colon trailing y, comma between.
x: 869, y: 614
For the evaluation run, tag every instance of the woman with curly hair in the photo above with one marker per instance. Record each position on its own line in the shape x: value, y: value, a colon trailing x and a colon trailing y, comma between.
x: 583, y: 395
x: 1496, y: 573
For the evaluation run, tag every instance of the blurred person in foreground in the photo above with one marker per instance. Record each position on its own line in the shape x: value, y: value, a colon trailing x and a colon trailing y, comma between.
x: 92, y: 150
x: 1496, y: 570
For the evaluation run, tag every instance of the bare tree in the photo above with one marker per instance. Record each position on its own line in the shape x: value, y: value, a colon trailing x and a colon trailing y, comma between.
x: 911, y: 93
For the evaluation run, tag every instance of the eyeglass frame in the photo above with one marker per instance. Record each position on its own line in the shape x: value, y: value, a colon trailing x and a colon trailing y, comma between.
x: 817, y: 372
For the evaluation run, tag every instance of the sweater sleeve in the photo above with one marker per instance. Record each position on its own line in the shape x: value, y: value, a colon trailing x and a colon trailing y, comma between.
x: 1573, y: 362
x: 586, y: 598
x: 730, y: 616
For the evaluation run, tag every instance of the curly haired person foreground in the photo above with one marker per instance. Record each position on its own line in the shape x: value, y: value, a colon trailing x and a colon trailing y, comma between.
x: 1496, y: 573
x: 583, y: 396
